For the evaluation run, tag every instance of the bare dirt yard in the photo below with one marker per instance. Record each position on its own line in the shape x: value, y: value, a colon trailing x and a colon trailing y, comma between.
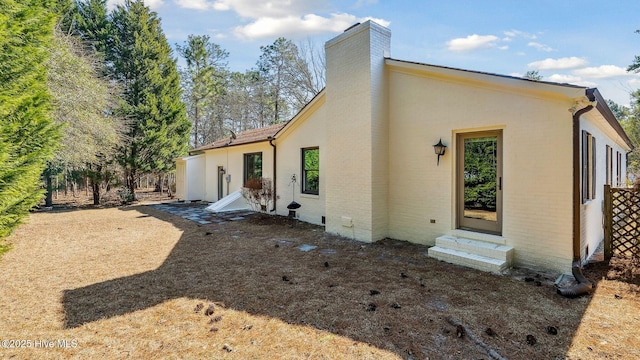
x: 138, y: 282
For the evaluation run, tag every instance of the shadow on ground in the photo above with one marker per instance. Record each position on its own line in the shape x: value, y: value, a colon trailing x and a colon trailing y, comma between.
x: 387, y: 294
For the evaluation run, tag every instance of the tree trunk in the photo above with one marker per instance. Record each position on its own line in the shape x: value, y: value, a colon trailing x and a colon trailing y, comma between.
x: 132, y: 184
x: 130, y: 177
x: 95, y: 183
x: 195, y: 126
x: 48, y: 199
x: 96, y: 193
x: 275, y: 120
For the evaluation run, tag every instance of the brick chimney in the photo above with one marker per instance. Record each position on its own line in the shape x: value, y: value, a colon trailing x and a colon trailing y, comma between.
x: 357, y: 174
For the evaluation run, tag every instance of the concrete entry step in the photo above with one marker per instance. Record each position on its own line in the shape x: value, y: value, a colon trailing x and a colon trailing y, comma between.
x: 476, y: 254
x: 490, y: 250
x: 467, y: 259
x: 473, y: 235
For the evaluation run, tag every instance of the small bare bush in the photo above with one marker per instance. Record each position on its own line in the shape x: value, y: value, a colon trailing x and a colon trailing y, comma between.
x: 258, y: 193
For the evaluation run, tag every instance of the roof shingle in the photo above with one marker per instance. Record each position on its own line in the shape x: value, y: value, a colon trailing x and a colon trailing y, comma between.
x: 245, y: 137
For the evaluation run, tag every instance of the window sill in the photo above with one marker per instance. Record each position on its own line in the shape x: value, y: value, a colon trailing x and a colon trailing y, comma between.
x: 310, y: 196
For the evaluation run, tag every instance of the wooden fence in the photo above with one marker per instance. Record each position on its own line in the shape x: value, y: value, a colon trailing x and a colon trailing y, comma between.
x: 621, y: 222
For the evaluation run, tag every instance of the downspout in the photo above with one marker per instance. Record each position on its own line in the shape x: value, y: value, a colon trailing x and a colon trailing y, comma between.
x: 583, y: 286
x: 271, y: 138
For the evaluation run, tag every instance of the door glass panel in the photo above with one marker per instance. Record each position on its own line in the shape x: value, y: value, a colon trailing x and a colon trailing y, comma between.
x: 480, y: 175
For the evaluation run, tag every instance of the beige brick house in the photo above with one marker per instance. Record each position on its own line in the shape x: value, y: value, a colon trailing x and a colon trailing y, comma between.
x: 520, y: 182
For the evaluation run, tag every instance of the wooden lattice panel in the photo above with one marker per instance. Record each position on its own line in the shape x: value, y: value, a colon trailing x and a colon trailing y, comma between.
x: 622, y: 218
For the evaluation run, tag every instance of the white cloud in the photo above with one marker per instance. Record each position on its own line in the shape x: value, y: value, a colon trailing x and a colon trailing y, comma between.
x: 603, y: 72
x: 294, y: 26
x: 111, y: 4
x: 290, y: 18
x: 570, y: 79
x: 256, y: 9
x: 194, y: 4
x: 541, y: 47
x: 505, y: 47
x: 564, y: 78
x: 558, y: 64
x: 152, y: 4
x: 472, y: 42
x: 378, y: 21
x: 585, y: 83
x: 510, y: 34
x: 220, y: 6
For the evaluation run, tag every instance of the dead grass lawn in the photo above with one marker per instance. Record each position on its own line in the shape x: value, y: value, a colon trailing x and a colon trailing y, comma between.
x: 125, y: 283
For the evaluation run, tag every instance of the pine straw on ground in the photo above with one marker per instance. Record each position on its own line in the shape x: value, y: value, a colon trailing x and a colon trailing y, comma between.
x: 127, y: 283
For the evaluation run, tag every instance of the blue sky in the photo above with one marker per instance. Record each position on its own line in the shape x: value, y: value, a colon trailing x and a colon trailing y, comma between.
x: 584, y: 42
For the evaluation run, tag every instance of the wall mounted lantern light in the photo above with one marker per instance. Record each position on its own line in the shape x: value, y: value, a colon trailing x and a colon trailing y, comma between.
x: 439, y: 148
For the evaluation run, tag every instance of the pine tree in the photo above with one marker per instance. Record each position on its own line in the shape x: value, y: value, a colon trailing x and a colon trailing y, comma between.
x: 142, y: 62
x: 632, y: 123
x: 285, y: 72
x: 635, y: 65
x: 27, y: 133
x: 90, y: 22
x: 202, y: 81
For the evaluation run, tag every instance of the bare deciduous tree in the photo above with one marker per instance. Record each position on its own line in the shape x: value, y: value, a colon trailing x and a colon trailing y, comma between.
x: 82, y: 106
